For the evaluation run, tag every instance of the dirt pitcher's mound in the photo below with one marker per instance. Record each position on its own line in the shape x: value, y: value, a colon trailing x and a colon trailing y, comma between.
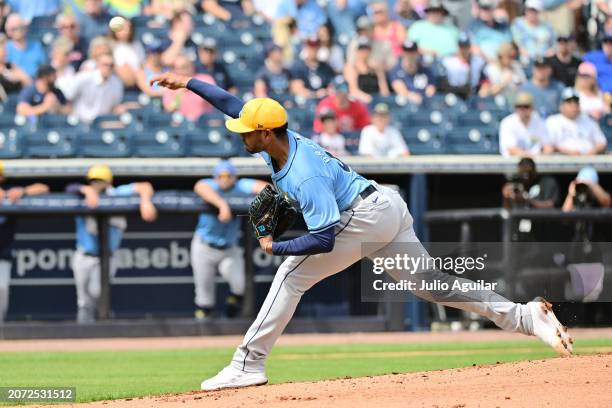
x: 584, y: 381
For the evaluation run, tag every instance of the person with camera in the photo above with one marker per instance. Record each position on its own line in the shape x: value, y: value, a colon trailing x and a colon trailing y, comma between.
x: 586, y: 192
x: 527, y: 189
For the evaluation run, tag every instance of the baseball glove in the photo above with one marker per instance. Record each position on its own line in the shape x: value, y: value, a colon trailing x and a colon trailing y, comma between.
x: 271, y: 213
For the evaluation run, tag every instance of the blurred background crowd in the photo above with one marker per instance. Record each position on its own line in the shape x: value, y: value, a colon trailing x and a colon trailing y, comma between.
x: 377, y: 78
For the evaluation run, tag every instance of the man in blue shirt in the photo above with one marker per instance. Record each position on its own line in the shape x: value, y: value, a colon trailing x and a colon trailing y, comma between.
x: 86, y: 259
x: 42, y: 96
x: 309, y: 76
x: 342, y: 211
x: 215, y: 242
x: 602, y: 59
x: 487, y: 33
x: 10, y: 194
x: 409, y: 78
x: 545, y: 90
x: 27, y: 55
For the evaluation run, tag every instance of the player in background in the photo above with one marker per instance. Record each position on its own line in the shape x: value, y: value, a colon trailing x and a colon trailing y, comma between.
x: 86, y: 259
x: 7, y: 233
x: 215, y: 242
x: 342, y: 211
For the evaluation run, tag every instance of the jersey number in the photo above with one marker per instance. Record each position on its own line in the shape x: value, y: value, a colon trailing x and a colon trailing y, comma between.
x: 340, y: 162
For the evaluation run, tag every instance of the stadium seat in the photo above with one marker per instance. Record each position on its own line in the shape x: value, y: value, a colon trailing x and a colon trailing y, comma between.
x: 477, y: 118
x: 11, y: 143
x: 162, y: 119
x: 53, y: 121
x: 213, y: 142
x: 211, y: 119
x: 110, y: 121
x: 160, y: 142
x: 59, y: 143
x: 300, y: 119
x: 424, y: 140
x: 352, y: 141
x: 606, y: 127
x: 446, y: 102
x: 491, y: 103
x: 472, y: 140
x: 423, y: 117
x: 105, y: 143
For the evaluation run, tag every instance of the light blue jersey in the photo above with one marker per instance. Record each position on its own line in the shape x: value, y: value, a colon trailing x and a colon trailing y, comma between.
x: 213, y: 231
x: 87, y: 228
x: 322, y: 185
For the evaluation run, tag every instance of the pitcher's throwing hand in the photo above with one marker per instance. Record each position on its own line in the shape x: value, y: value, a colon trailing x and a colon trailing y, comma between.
x: 170, y: 80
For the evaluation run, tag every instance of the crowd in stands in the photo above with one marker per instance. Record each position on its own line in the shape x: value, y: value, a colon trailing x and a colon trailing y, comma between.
x: 368, y: 77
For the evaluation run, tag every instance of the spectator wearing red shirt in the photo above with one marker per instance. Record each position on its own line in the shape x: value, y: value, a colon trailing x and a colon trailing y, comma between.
x: 351, y: 115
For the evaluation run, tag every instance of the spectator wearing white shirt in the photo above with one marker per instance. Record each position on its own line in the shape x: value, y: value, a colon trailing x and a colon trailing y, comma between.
x: 380, y: 139
x: 523, y: 133
x: 128, y: 54
x: 592, y: 101
x: 572, y: 132
x: 329, y: 138
x: 97, y: 92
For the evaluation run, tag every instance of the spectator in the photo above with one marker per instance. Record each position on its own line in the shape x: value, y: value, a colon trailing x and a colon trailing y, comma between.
x: 545, y: 90
x: 585, y: 189
x: 28, y: 9
x: 564, y: 64
x: 60, y: 60
x: 342, y: 14
x: 86, y: 259
x: 405, y: 13
x: 364, y: 79
x: 560, y: 14
x: 307, y: 13
x: 96, y: 92
x: 330, y: 52
x: 591, y: 99
x: 534, y: 37
x: 227, y: 10
x: 273, y: 78
x: 216, y: 242
x: 329, y: 138
x: 97, y: 47
x: 93, y: 18
x: 409, y: 78
x: 42, y: 97
x: 128, y: 54
x: 351, y: 114
x: 210, y: 65
x: 7, y: 233
x: 151, y: 68
x: 381, y: 49
x: 530, y: 189
x: 572, y: 132
x: 179, y: 39
x: 602, y: 60
x: 433, y: 35
x: 70, y: 30
x: 127, y: 9
x: 167, y: 9
x: 27, y: 55
x: 523, y: 133
x: 309, y: 77
x: 12, y: 78
x: 182, y: 100
x: 380, y: 139
x: 385, y: 28
x: 506, y: 74
x: 488, y: 34
x: 463, y: 73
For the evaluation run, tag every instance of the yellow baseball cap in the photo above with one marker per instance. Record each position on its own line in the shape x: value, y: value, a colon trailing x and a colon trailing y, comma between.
x: 258, y: 114
x: 1, y: 168
x: 100, y: 172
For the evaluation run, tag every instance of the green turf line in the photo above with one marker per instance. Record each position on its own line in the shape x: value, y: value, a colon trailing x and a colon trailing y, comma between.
x: 102, y: 375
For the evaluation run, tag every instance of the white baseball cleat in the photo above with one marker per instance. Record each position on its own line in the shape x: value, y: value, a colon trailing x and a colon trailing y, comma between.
x: 231, y: 377
x: 547, y: 327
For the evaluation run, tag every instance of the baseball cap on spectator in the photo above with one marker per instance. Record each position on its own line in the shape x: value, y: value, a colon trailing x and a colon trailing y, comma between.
x: 541, y: 62
x: 565, y: 37
x: 340, y: 85
x: 435, y: 5
x: 607, y: 37
x: 588, y: 174
x: 209, y: 43
x: 270, y: 48
x: 327, y: 114
x: 156, y: 47
x: 224, y: 166
x: 381, y: 109
x: 363, y: 23
x: 523, y: 99
x: 587, y: 69
x: 464, y: 39
x: 1, y: 168
x: 487, y: 4
x: 536, y: 5
x: 569, y: 94
x: 363, y: 43
x: 44, y: 71
x: 312, y: 41
x: 100, y: 172
x: 410, y: 45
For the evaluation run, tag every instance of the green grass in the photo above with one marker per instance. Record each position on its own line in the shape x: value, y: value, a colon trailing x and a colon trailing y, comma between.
x: 108, y: 375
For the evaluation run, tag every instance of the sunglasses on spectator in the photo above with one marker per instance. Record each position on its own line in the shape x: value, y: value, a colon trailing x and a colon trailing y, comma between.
x: 67, y: 27
x: 523, y: 106
x: 106, y: 64
x: 18, y: 28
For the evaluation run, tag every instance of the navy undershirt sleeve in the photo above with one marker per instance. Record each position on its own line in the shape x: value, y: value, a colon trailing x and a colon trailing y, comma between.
x: 217, y: 97
x: 309, y: 244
